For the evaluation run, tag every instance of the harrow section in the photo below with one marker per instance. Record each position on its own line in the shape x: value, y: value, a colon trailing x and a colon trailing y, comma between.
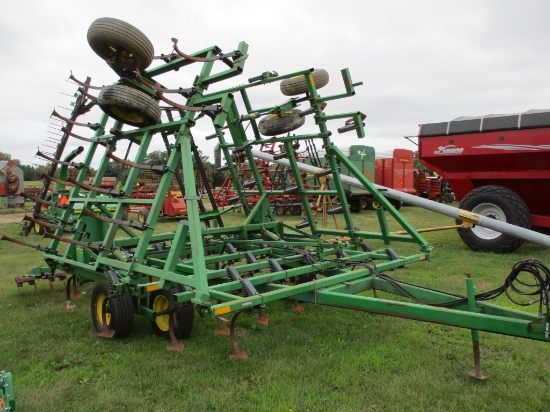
x: 203, y: 266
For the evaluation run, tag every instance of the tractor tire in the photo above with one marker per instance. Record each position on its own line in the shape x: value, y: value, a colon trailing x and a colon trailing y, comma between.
x: 498, y: 203
x: 143, y: 214
x: 163, y: 300
x: 297, y: 85
x: 128, y: 105
x: 120, y: 310
x: 278, y: 124
x: 115, y: 39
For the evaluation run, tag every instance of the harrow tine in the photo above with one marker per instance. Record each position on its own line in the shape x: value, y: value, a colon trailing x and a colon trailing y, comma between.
x: 112, y: 192
x: 84, y: 139
x: 85, y: 85
x: 37, y: 247
x: 70, y: 164
x: 44, y: 202
x: 97, y: 248
x: 93, y: 126
x: 159, y: 169
x: 131, y: 223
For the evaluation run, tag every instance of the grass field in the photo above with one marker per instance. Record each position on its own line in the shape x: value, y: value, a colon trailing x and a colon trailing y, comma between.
x: 327, y: 359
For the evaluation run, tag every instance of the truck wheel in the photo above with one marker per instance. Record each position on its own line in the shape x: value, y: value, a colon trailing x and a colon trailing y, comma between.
x: 365, y: 203
x: 112, y: 38
x: 119, y: 310
x: 278, y: 124
x: 162, y: 300
x: 128, y: 105
x: 495, y: 202
x: 396, y: 203
x: 449, y: 198
x: 297, y: 85
x: 355, y: 205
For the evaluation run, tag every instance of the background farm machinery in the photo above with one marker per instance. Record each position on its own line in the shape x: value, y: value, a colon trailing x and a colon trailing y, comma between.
x: 205, y: 267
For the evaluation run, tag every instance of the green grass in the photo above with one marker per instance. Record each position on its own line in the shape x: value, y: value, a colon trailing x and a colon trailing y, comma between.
x: 328, y: 359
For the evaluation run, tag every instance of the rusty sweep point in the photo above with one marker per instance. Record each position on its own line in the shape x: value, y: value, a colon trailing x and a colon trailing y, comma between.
x: 262, y: 319
x: 298, y: 308
x: 222, y: 329
x: 237, y: 352
x: 176, y: 345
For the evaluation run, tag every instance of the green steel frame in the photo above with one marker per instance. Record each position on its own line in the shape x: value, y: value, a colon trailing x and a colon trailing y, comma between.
x: 332, y: 266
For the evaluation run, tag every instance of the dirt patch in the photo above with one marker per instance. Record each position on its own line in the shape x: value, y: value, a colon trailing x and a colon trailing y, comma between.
x: 12, y: 217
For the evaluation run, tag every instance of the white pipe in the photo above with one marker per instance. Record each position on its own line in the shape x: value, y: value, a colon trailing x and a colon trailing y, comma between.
x: 453, y: 212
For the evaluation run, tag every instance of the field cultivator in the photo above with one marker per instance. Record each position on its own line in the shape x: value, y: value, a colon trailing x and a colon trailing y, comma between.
x: 206, y: 267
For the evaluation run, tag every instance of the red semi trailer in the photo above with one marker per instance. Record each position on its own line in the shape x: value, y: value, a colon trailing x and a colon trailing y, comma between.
x: 498, y: 166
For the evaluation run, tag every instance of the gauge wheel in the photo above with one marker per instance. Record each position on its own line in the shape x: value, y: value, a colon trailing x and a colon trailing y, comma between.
x: 39, y: 229
x: 143, y: 214
x: 162, y: 301
x: 278, y: 124
x: 119, y: 310
x: 115, y: 39
x: 128, y: 105
x: 355, y: 205
x: 297, y: 85
x: 499, y: 203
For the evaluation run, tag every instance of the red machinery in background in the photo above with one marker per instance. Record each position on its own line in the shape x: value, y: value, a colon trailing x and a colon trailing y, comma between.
x: 498, y: 166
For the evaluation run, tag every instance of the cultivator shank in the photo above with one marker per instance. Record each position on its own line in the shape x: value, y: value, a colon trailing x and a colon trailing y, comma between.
x: 207, y: 266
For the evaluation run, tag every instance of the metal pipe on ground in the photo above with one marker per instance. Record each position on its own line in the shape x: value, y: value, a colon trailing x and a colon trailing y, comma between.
x: 447, y: 210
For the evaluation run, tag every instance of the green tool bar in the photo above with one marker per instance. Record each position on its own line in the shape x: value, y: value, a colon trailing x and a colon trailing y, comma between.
x: 530, y: 329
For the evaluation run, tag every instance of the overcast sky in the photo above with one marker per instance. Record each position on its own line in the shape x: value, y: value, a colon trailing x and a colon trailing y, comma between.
x: 419, y: 61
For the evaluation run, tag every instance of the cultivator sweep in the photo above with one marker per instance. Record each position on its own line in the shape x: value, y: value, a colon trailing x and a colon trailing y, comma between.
x: 206, y: 267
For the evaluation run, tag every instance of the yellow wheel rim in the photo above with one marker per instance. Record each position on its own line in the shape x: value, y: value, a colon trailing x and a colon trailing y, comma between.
x: 127, y: 115
x: 141, y: 217
x: 161, y: 304
x: 101, y: 298
x: 37, y: 227
x: 123, y: 54
x: 277, y: 116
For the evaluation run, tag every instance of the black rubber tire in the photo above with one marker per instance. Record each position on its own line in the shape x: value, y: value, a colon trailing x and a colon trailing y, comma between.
x: 365, y: 203
x: 355, y: 205
x: 396, y: 203
x: 143, y: 214
x: 162, y: 300
x: 297, y: 85
x: 296, y: 210
x: 120, y: 310
x: 106, y: 36
x: 275, y: 125
x: 128, y: 105
x: 38, y: 229
x: 280, y: 210
x: 499, y: 203
x: 448, y: 198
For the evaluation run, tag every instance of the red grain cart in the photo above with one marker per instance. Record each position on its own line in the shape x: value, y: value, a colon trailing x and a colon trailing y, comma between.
x: 498, y: 166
